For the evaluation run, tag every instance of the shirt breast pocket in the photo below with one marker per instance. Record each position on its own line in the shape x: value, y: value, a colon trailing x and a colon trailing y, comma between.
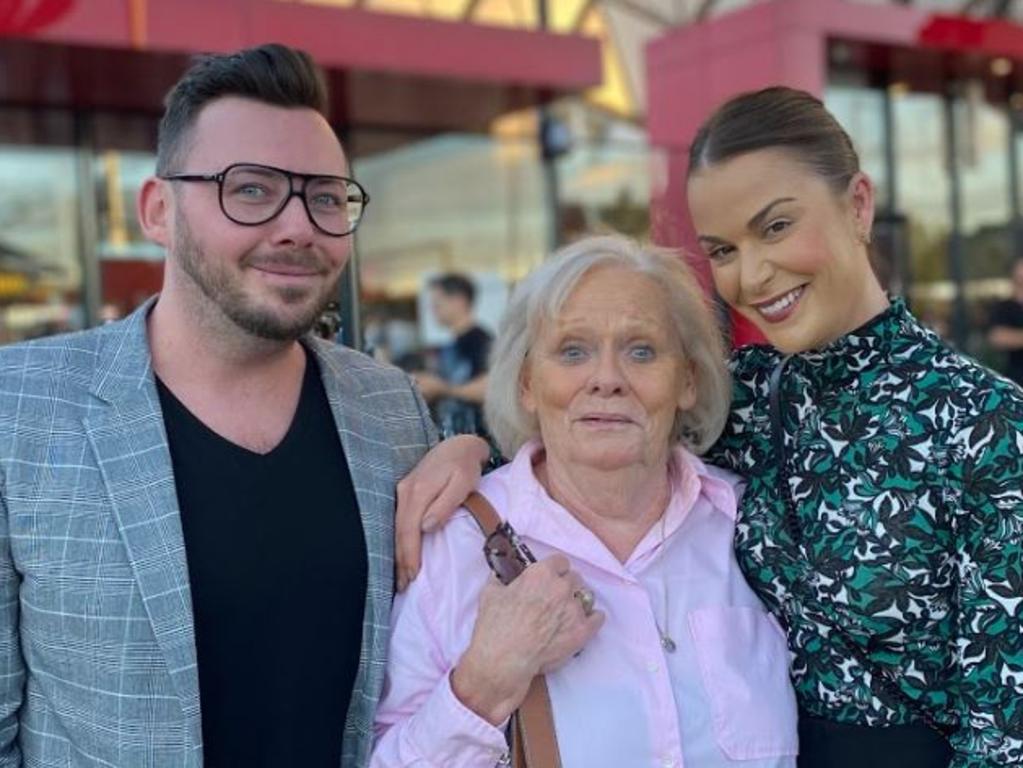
x: 744, y: 664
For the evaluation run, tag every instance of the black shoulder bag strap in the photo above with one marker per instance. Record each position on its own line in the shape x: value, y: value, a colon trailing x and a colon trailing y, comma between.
x: 882, y: 675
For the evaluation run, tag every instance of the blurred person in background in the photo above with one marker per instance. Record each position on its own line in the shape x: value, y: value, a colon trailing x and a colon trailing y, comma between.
x: 1006, y: 327
x: 196, y: 502
x: 608, y: 381
x: 882, y: 519
x: 458, y: 387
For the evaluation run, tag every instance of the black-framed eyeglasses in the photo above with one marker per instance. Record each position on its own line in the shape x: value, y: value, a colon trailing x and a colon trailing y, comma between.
x: 251, y: 194
x: 507, y: 555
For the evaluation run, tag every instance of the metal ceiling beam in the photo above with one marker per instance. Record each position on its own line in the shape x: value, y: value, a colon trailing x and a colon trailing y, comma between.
x: 704, y: 10
x: 637, y: 8
x: 580, y: 17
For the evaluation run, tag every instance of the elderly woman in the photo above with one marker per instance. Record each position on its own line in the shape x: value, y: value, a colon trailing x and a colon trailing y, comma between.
x: 608, y: 378
x: 882, y: 521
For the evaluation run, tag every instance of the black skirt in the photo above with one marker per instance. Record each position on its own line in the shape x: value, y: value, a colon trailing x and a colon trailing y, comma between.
x: 826, y: 744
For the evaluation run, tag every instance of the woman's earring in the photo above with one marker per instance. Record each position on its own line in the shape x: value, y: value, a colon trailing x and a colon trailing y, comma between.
x: 865, y: 237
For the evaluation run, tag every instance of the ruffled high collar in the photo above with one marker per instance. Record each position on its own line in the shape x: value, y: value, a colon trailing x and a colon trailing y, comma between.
x: 874, y: 337
x: 868, y: 347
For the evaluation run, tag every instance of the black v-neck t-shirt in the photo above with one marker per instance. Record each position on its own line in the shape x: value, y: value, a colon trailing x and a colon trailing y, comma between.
x: 277, y: 564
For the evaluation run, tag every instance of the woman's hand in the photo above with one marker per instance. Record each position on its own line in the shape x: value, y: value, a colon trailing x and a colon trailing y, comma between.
x: 527, y: 628
x: 430, y: 493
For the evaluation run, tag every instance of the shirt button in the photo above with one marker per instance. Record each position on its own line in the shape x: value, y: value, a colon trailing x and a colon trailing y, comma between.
x: 651, y: 666
x: 667, y: 761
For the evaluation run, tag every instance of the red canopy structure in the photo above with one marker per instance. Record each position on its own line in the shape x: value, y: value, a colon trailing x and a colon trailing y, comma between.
x: 385, y: 69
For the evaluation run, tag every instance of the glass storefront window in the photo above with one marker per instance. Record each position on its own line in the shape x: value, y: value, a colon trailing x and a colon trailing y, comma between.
x: 860, y: 110
x: 982, y: 158
x: 924, y: 193
x: 605, y: 181
x: 71, y: 250
x: 131, y: 267
x: 40, y: 273
x: 480, y: 205
x: 119, y: 177
x: 473, y: 204
x: 943, y: 265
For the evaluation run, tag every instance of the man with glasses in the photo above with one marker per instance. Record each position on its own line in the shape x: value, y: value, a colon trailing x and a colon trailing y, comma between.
x: 196, y: 503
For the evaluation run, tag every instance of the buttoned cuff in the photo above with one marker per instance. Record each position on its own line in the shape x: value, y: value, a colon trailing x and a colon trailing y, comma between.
x: 448, y: 733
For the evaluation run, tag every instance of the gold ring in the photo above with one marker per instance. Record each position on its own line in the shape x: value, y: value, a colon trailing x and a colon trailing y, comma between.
x: 586, y: 599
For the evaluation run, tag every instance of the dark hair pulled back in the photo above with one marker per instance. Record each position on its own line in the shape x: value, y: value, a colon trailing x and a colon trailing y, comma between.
x: 780, y: 118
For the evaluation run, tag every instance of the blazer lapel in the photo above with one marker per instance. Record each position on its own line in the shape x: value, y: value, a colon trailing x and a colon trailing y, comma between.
x: 370, y: 462
x: 129, y: 439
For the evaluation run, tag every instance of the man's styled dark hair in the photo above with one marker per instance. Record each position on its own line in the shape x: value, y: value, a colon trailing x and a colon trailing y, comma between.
x: 454, y: 284
x: 273, y: 74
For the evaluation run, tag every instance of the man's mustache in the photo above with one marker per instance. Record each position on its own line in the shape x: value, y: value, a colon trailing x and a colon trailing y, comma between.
x: 303, y: 260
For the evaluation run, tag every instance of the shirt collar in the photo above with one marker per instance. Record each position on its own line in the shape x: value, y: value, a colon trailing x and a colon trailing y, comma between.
x: 535, y: 515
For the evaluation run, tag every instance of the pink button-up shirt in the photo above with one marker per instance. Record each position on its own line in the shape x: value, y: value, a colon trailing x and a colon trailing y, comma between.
x: 723, y: 697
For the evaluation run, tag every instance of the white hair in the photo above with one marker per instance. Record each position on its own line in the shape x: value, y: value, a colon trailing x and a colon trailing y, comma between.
x: 540, y: 298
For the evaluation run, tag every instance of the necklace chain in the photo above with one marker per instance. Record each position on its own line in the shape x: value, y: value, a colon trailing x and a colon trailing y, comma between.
x: 667, y: 643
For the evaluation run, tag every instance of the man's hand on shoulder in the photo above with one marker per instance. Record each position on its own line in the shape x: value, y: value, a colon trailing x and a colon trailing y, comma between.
x: 430, y: 493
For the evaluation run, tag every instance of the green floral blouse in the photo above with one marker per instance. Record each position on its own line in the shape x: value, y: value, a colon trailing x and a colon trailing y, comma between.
x: 905, y: 467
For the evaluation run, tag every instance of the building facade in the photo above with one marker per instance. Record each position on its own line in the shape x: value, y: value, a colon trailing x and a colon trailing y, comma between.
x: 931, y: 93
x: 488, y: 130
x: 436, y: 117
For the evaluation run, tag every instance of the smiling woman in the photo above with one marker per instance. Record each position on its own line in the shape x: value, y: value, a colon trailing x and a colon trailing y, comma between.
x: 882, y: 518
x: 805, y: 202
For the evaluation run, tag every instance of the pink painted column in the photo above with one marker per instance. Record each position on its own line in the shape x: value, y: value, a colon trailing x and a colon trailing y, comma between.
x: 690, y: 71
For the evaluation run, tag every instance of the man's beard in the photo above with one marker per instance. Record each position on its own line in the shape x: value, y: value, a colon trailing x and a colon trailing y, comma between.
x: 226, y: 290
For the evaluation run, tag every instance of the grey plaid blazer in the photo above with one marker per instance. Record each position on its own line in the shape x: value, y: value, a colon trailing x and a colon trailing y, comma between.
x: 97, y: 647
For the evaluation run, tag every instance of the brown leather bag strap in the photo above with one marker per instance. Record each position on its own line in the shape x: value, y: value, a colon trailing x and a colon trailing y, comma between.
x: 534, y: 743
x: 484, y: 513
x: 536, y: 728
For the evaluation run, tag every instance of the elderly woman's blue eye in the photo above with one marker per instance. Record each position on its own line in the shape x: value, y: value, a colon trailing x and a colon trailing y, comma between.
x: 572, y: 354
x: 642, y: 352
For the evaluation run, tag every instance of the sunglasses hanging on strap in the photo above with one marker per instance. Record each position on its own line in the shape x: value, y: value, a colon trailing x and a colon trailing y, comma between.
x: 531, y: 735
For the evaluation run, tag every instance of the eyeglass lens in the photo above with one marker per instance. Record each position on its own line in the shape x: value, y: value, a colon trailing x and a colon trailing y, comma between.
x: 254, y: 195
